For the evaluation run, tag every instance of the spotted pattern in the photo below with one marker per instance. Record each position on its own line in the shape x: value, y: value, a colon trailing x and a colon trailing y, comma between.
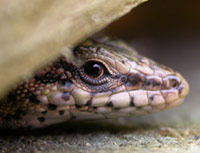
x: 133, y: 85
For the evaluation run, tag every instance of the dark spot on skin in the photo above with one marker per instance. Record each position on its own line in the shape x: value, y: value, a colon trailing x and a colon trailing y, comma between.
x: 52, y: 107
x: 89, y: 102
x: 123, y: 79
x: 151, y: 82
x: 155, y: 83
x: 135, y: 79
x: 41, y: 119
x: 147, y: 82
x: 152, y: 98
x: 132, y: 104
x: 44, y: 112
x: 66, y: 96
x: 110, y: 104
x: 61, y: 112
x: 78, y: 106
x: 34, y: 99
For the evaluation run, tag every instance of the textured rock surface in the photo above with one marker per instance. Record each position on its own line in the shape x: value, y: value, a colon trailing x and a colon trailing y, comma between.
x: 33, y: 32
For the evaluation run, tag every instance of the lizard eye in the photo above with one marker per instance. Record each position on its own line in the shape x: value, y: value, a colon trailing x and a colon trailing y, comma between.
x: 94, y: 69
x: 93, y: 72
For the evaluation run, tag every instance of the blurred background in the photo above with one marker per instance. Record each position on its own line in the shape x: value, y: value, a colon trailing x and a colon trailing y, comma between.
x: 168, y: 32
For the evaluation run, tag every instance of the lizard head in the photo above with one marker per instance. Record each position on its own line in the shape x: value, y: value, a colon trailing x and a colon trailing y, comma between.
x: 112, y: 75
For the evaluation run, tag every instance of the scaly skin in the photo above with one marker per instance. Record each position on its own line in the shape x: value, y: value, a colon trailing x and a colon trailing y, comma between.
x: 107, y: 79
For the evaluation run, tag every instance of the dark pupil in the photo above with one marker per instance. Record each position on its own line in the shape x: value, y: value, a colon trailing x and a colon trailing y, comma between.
x: 93, y: 69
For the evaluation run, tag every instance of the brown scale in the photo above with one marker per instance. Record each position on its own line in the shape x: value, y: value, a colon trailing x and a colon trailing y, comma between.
x: 136, y: 80
x: 154, y: 83
x: 43, y: 80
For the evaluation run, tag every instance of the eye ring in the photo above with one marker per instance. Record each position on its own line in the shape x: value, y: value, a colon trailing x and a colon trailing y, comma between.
x: 94, y: 72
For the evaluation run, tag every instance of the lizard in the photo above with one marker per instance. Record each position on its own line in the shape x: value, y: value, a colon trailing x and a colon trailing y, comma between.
x: 106, y: 79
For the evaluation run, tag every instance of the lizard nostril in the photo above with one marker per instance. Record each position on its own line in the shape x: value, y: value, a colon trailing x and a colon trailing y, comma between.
x: 174, y: 82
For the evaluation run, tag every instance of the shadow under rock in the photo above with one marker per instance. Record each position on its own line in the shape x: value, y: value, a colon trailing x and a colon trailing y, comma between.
x: 76, y: 127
